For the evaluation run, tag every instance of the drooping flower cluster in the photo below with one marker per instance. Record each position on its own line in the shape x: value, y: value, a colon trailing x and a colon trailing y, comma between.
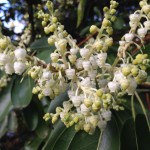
x: 93, y: 85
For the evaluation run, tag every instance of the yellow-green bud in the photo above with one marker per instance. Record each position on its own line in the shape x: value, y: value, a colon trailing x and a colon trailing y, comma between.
x: 40, y: 96
x: 54, y: 19
x: 44, y: 23
x: 105, y: 9
x: 54, y: 119
x: 109, y: 42
x: 112, y: 11
x: 71, y: 123
x: 126, y: 70
x: 52, y: 28
x: 134, y: 71
x: 113, y: 18
x: 88, y: 102
x: 93, y: 29
x: 51, y: 41
x: 109, y: 30
x: 95, y: 108
x: 87, y: 127
x: 72, y: 58
x: 125, y: 85
x: 106, y: 23
x: 46, y: 30
x: 76, y: 119
x: 99, y: 93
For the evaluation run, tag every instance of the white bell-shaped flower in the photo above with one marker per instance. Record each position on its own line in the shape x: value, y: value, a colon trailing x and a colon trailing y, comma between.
x: 70, y: 73
x: 142, y: 32
x: 71, y: 93
x: 92, y: 74
x: 129, y: 37
x: 76, y: 100
x: 118, y: 76
x: 79, y: 63
x: 147, y: 24
x: 3, y: 58
x: 101, y: 59
x: 84, y: 52
x: 102, y: 124
x: 47, y: 91
x: 9, y: 68
x: 134, y: 17
x: 113, y: 86
x: 93, y: 62
x: 20, y: 53
x: 86, y: 82
x: 73, y: 51
x: 84, y: 109
x: 122, y: 43
x: 132, y: 86
x: 47, y: 75
x: 86, y: 65
x: 19, y: 67
x: 106, y: 115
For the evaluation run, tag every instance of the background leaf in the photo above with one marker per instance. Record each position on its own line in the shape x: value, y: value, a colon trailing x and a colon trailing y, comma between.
x: 22, y: 92
x: 80, y: 11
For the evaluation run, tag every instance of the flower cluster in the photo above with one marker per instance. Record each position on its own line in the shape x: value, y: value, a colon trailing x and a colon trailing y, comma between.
x: 94, y: 86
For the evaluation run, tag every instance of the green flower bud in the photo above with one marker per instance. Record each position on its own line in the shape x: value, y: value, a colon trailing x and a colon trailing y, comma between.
x: 99, y: 93
x: 93, y: 29
x: 54, y: 19
x: 88, y: 102
x: 51, y: 41
x: 126, y: 70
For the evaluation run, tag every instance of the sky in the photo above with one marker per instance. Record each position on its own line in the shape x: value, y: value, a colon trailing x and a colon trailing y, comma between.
x: 18, y: 26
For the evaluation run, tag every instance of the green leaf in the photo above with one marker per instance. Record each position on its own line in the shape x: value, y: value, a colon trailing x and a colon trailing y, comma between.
x: 3, y: 126
x: 5, y: 101
x: 42, y: 129
x: 143, y: 133
x: 44, y: 55
x: 33, y: 144
x: 119, y: 23
x: 12, y: 122
x: 84, y: 141
x: 57, y: 102
x: 65, y: 140
x: 128, y: 136
x: 110, y: 138
x: 31, y: 116
x: 80, y: 11
x: 41, y: 44
x: 22, y: 92
x: 55, y: 134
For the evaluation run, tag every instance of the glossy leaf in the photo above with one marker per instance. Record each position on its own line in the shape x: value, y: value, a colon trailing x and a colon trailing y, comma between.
x: 33, y: 144
x: 41, y: 44
x: 128, y: 136
x: 58, y: 101
x: 80, y: 11
x: 84, y: 141
x: 65, y: 139
x: 5, y: 101
x: 44, y: 55
x: 110, y: 138
x: 143, y: 133
x: 22, y: 92
x: 55, y: 134
x: 12, y: 122
x: 3, y: 126
x: 31, y: 116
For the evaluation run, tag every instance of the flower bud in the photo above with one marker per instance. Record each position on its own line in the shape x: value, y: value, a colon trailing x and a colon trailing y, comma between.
x: 124, y: 84
x: 51, y: 41
x: 72, y: 58
x: 93, y: 29
x: 132, y: 86
x: 99, y: 93
x: 146, y: 9
x: 126, y: 70
x: 88, y: 102
x: 87, y: 127
x: 109, y: 42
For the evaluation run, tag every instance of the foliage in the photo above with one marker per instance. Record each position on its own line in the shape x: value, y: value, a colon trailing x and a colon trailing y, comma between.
x: 21, y: 113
